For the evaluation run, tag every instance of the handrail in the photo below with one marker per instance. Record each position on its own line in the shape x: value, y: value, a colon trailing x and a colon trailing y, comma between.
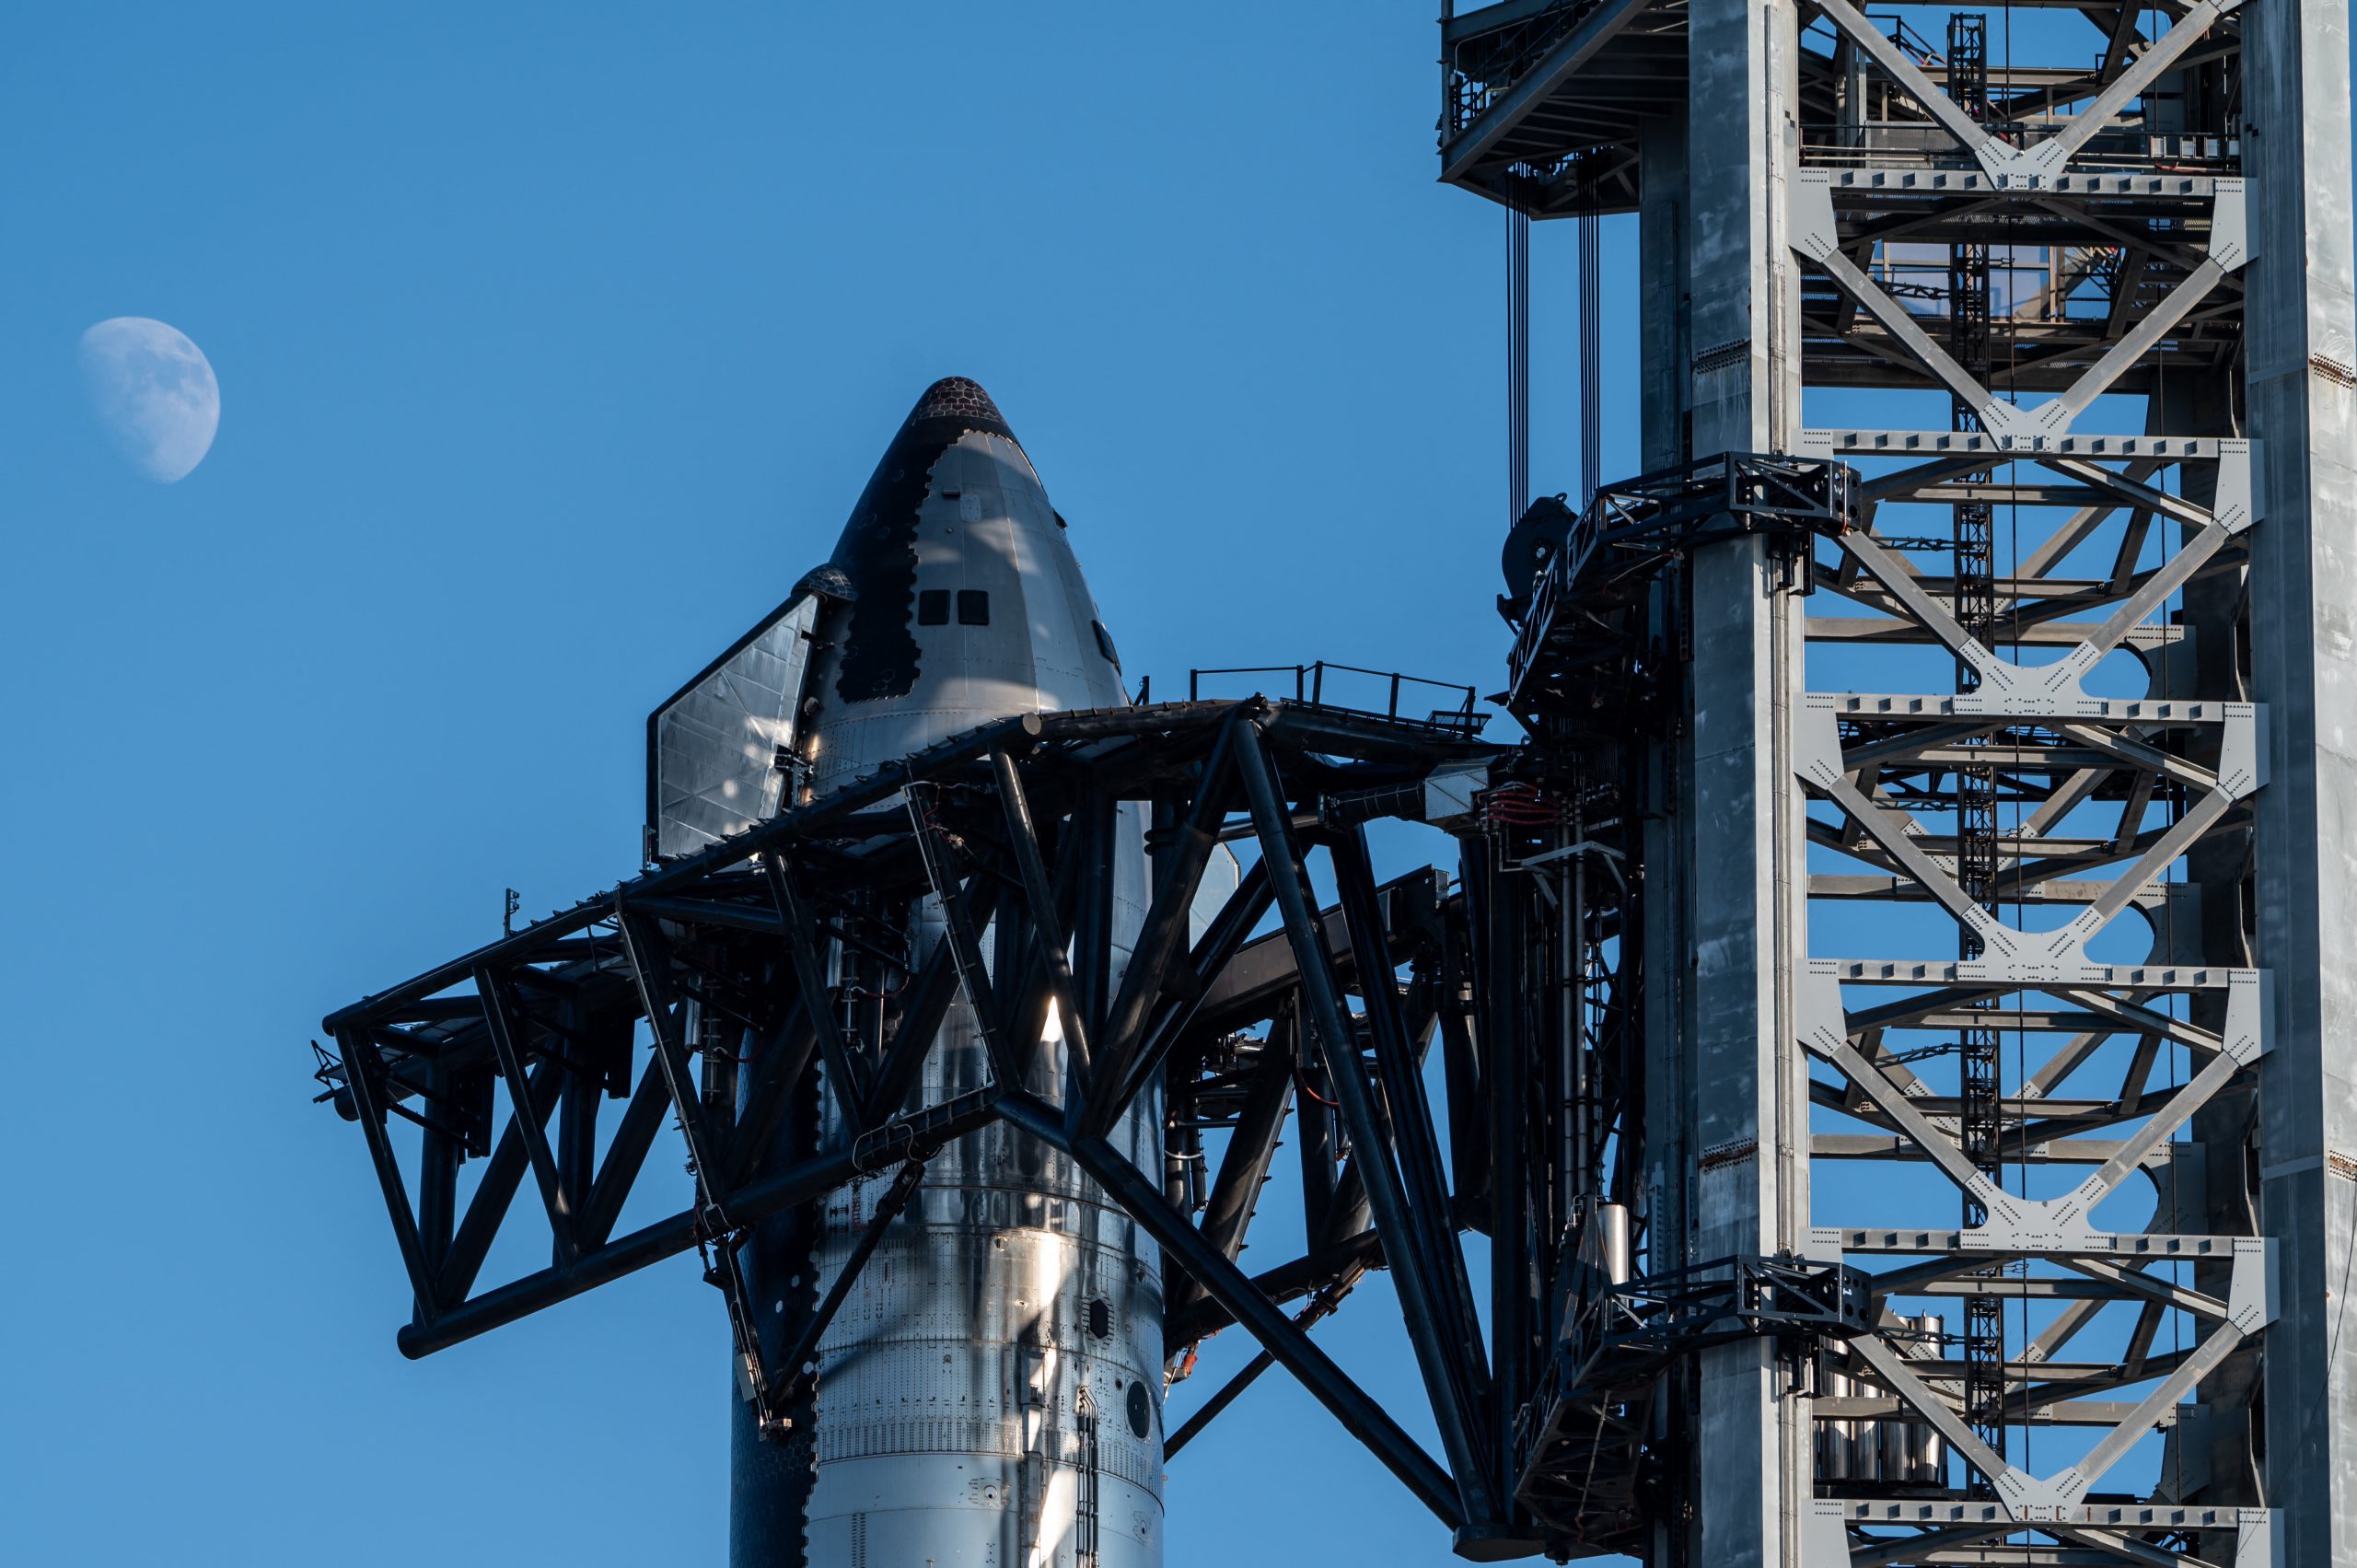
x: 1309, y: 690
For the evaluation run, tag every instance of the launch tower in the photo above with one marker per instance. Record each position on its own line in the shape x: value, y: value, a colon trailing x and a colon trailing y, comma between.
x: 1985, y: 853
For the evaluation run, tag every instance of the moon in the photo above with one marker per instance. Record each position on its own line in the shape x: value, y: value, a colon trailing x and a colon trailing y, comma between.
x: 153, y: 393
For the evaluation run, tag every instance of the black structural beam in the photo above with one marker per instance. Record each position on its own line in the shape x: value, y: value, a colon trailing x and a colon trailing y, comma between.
x: 1014, y: 830
x: 1143, y: 1200
x: 805, y: 1181
x: 1337, y: 1040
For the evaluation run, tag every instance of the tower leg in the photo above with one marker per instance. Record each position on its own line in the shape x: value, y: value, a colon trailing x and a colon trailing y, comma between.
x: 2299, y: 377
x: 1736, y: 811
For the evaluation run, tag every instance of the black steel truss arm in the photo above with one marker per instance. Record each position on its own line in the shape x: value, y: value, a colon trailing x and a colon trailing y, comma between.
x: 929, y: 993
x: 797, y: 1369
x: 650, y: 958
x: 1423, y: 1185
x: 1047, y: 924
x: 962, y: 936
x: 1321, y: 1305
x: 736, y: 936
x: 1229, y: 930
x: 778, y: 1068
x: 504, y: 1019
x: 488, y: 1207
x: 1251, y: 1146
x: 364, y: 1074
x: 1185, y: 1246
x: 804, y: 1182
x: 1164, y: 934
x: 850, y: 1067
x: 641, y: 1119
x: 1337, y: 1042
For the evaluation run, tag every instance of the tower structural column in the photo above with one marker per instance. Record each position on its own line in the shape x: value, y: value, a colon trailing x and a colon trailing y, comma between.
x: 1735, y: 818
x: 2300, y: 380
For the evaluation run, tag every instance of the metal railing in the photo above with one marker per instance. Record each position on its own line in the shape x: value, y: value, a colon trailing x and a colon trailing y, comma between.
x: 1482, y: 68
x: 1310, y: 688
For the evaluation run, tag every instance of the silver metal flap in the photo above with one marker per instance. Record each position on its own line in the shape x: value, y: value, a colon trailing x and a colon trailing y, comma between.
x: 713, y: 749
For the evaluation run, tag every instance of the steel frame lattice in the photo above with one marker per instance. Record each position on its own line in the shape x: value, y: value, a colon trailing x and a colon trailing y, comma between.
x: 2140, y: 490
x: 716, y: 990
x: 2107, y: 799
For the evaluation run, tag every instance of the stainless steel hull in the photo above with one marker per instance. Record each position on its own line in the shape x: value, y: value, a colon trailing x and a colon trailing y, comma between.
x: 990, y: 1395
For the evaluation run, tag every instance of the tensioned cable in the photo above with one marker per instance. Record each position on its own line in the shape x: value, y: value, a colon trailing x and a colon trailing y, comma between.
x: 1590, y: 231
x: 1517, y: 361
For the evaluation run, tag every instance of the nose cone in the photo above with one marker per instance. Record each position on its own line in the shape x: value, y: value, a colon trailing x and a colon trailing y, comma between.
x: 962, y: 404
x: 961, y: 599
x: 878, y: 551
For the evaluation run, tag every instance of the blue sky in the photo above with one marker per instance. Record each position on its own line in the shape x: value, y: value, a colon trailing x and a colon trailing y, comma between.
x: 554, y: 344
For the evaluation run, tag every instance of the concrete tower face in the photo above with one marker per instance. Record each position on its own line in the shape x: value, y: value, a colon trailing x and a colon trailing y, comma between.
x: 990, y: 1392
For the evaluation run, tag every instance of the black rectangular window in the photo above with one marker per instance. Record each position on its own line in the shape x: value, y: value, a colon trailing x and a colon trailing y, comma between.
x: 973, y: 608
x: 932, y: 607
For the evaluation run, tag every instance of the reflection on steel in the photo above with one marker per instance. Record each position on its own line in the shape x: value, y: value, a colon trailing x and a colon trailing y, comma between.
x: 713, y: 749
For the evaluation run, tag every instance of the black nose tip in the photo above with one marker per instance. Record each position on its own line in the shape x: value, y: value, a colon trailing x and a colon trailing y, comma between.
x: 956, y: 398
